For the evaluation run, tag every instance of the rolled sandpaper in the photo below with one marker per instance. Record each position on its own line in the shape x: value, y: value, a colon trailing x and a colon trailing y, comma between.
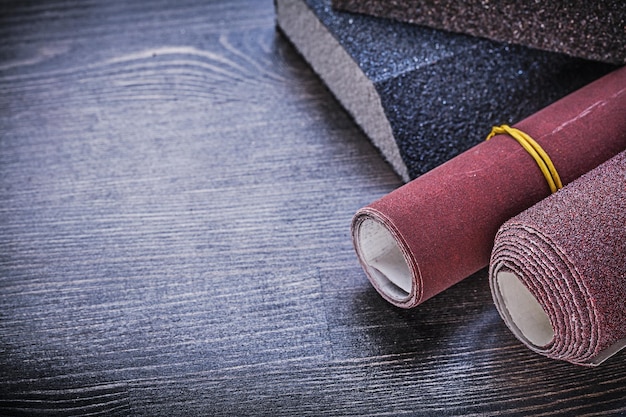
x: 587, y: 29
x: 438, y: 229
x: 558, y: 270
x: 423, y: 96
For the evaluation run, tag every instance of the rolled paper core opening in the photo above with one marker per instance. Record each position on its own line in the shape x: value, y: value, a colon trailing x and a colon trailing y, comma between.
x: 383, y: 259
x: 523, y: 313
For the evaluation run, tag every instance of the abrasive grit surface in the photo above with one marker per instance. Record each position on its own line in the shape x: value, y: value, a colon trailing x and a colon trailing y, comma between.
x: 587, y: 29
x: 438, y: 229
x: 569, y: 251
x: 424, y: 96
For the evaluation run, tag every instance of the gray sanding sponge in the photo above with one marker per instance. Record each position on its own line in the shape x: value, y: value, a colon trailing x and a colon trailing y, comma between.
x: 591, y: 29
x: 423, y: 95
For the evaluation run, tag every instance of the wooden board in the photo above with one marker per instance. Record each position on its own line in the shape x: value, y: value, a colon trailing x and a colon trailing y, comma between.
x: 176, y: 188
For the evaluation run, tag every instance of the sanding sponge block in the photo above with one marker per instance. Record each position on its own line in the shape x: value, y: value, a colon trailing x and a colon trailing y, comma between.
x: 422, y: 95
x: 587, y: 29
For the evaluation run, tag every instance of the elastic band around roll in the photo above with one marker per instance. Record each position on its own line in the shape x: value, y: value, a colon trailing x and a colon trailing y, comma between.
x: 535, y: 150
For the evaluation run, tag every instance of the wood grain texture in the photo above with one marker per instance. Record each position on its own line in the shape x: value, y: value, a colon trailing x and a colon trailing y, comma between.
x: 176, y: 188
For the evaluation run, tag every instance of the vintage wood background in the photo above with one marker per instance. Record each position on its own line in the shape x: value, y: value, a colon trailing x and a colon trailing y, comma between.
x: 176, y: 188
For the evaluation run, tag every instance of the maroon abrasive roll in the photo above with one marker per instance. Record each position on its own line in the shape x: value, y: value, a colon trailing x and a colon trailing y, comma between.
x: 438, y: 229
x: 558, y: 269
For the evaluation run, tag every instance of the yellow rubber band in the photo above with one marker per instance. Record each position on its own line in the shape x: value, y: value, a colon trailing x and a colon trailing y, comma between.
x: 533, y: 148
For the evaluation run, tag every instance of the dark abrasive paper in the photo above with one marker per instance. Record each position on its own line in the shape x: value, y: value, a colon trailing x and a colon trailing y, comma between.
x: 558, y: 269
x: 422, y: 95
x: 582, y: 28
x: 438, y: 229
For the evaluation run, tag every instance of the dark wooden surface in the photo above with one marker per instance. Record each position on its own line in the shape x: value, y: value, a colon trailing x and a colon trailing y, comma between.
x: 176, y: 188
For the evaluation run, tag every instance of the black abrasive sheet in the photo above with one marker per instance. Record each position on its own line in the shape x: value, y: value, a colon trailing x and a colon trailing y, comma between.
x: 440, y: 92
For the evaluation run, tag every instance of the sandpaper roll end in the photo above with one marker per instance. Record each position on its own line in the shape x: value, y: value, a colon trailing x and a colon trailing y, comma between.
x: 554, y: 319
x: 386, y: 258
x: 558, y: 270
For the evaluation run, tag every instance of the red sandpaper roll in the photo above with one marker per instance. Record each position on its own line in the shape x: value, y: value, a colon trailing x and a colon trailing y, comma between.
x: 558, y: 270
x: 438, y: 229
